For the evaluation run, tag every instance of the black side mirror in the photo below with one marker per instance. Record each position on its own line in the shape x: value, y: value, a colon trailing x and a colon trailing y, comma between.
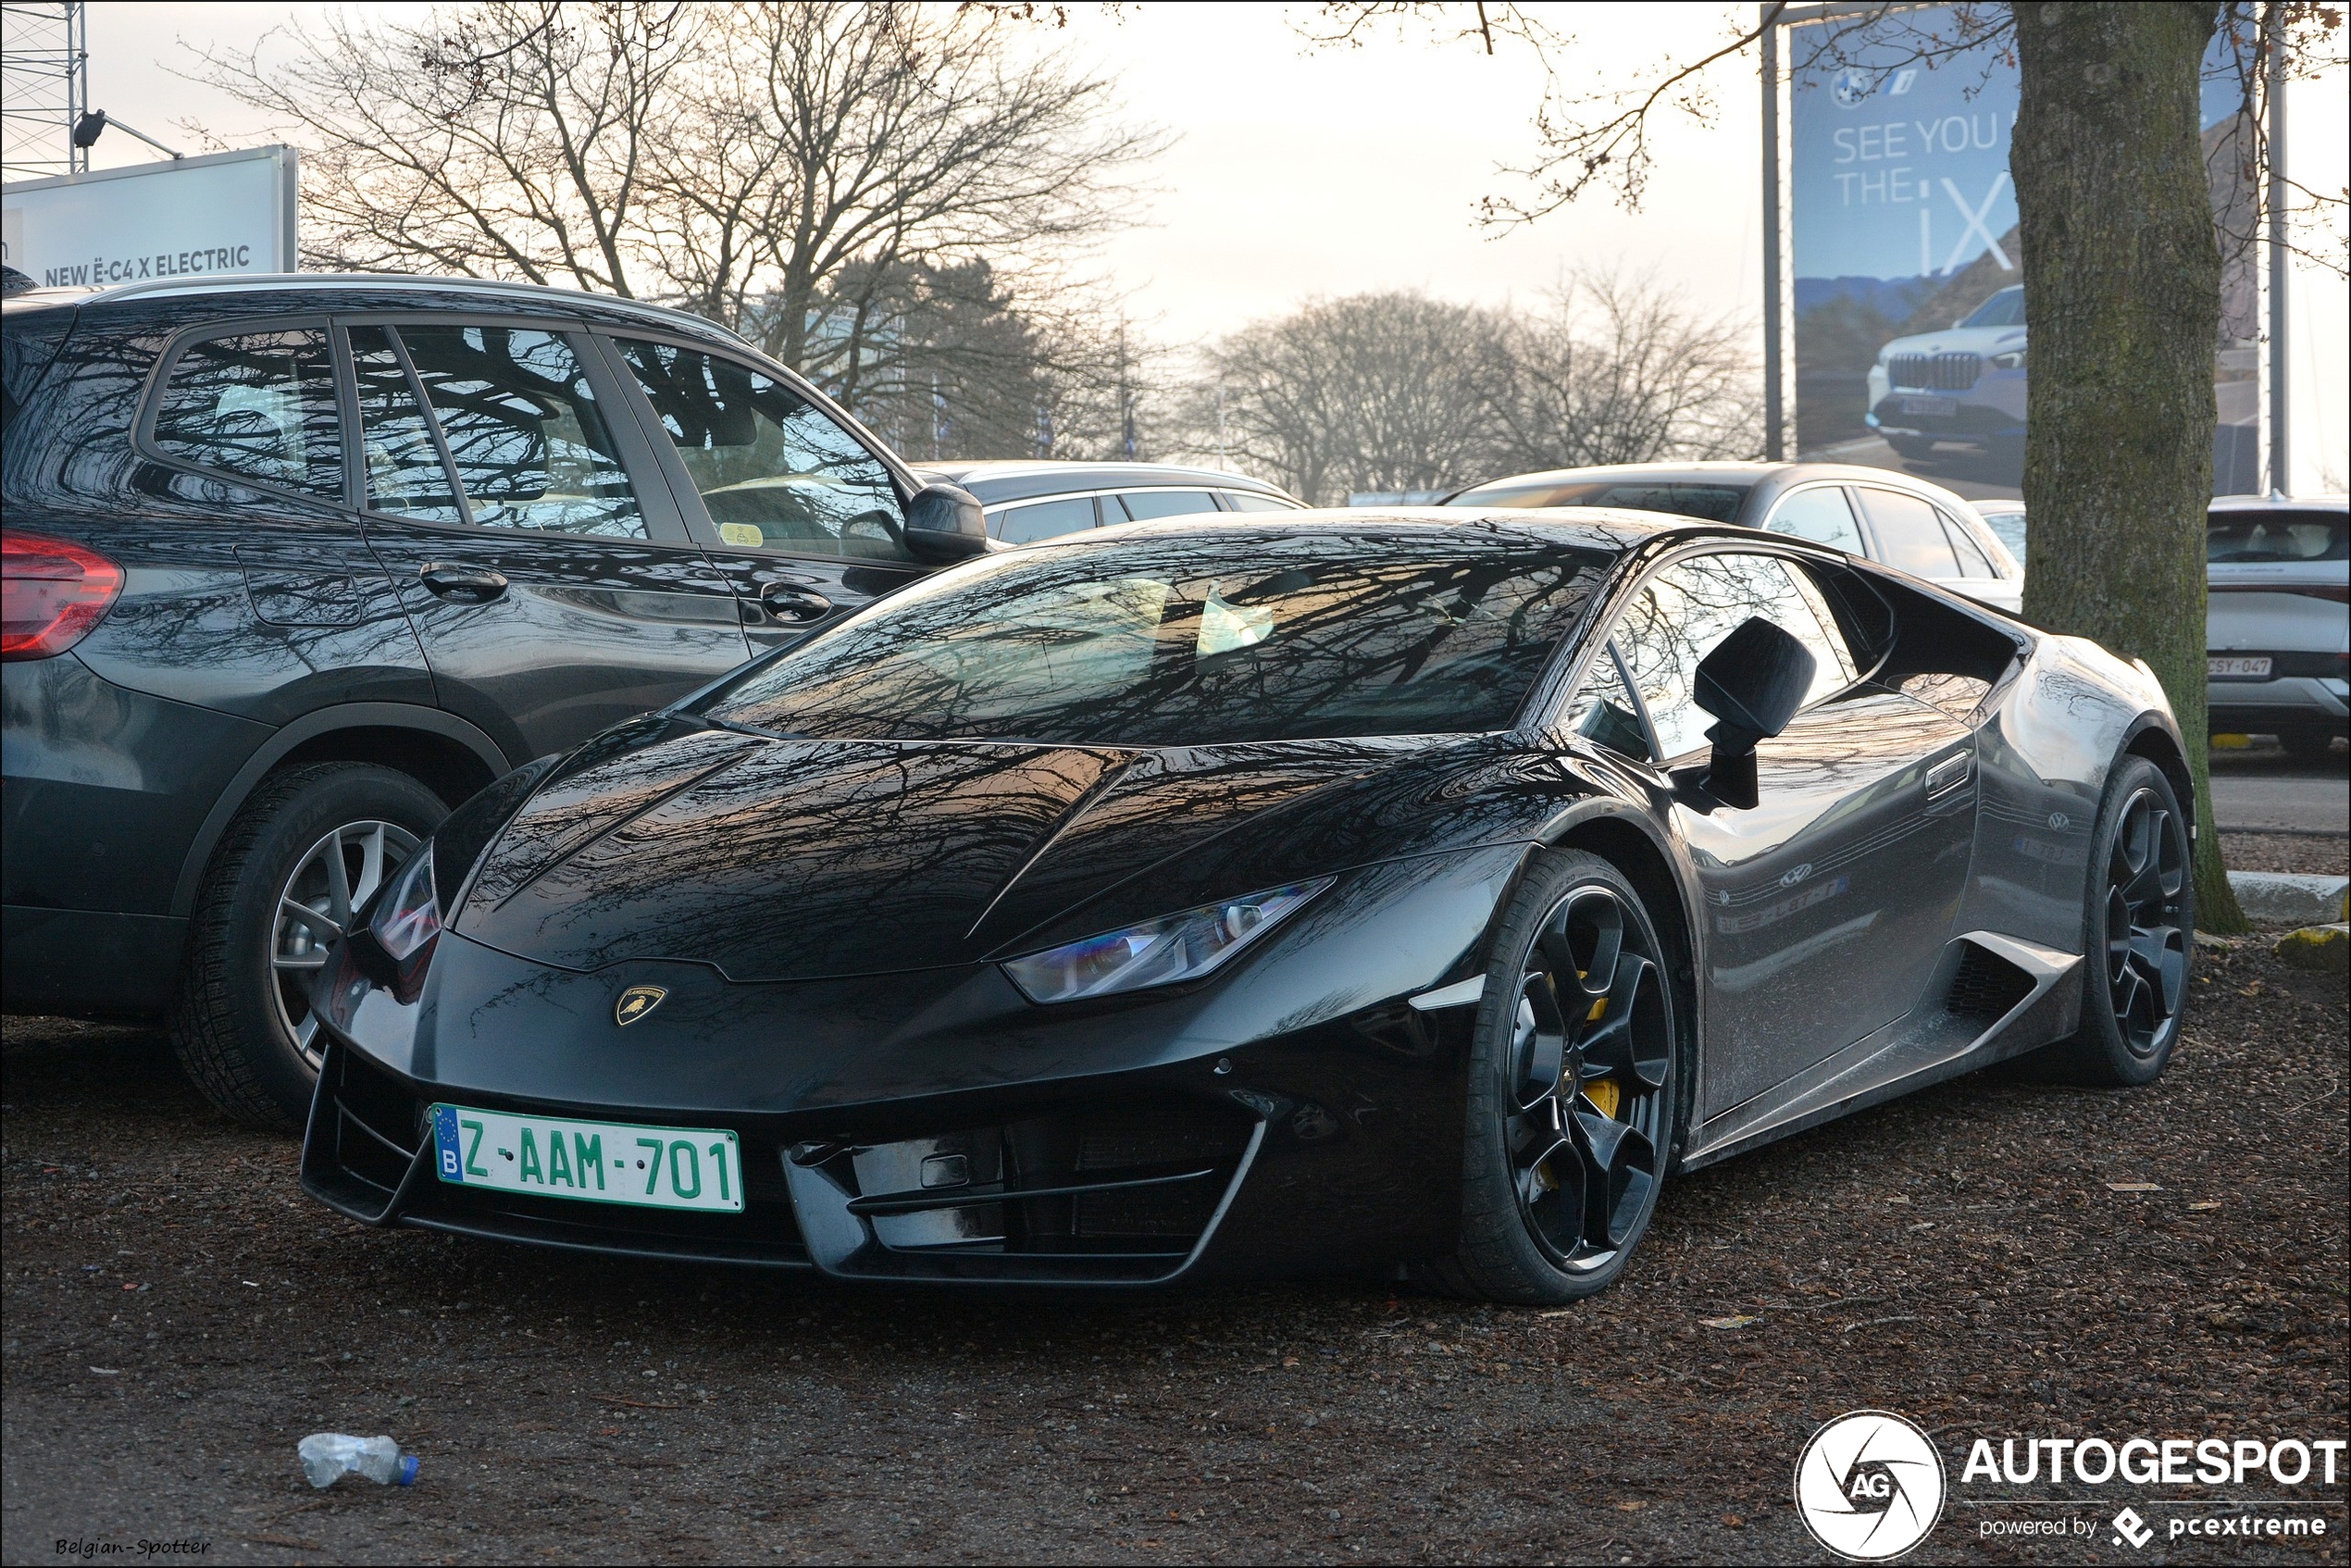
x: 944, y: 523
x: 1752, y: 683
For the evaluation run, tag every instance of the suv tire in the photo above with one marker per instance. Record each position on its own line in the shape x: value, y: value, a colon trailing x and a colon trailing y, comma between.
x: 237, y: 1028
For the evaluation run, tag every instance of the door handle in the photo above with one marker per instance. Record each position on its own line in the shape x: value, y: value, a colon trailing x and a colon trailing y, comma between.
x: 1946, y: 776
x: 788, y: 602
x: 467, y: 585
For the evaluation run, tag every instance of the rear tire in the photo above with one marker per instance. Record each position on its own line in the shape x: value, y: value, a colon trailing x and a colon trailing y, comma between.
x: 323, y: 836
x: 2138, y: 927
x: 1575, y: 1081
x: 2309, y: 745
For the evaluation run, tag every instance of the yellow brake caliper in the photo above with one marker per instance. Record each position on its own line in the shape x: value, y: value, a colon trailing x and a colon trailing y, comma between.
x: 1602, y: 1092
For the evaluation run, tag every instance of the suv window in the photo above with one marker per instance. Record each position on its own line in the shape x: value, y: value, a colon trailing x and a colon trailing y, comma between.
x: 1145, y: 503
x: 1249, y: 501
x: 1681, y: 613
x: 1910, y: 536
x: 1821, y: 515
x: 1046, y: 519
x: 774, y: 471
x: 531, y: 444
x: 1973, y: 561
x: 405, y: 476
x: 260, y: 405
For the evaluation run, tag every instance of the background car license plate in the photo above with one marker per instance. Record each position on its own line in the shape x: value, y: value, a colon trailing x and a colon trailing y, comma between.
x: 2237, y: 665
x: 698, y: 1168
x: 1945, y: 406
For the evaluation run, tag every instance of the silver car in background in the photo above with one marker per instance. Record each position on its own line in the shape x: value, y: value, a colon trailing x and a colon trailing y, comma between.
x: 1874, y: 513
x: 2277, y: 633
x: 2278, y: 626
x: 1043, y: 499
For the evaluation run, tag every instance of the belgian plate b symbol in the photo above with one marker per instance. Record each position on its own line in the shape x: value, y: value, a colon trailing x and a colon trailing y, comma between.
x: 635, y: 1002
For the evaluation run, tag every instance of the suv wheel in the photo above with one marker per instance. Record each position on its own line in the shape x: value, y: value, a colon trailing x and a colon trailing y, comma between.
x: 310, y: 846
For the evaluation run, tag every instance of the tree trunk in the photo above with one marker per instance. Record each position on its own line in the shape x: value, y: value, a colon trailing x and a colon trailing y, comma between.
x: 2122, y: 273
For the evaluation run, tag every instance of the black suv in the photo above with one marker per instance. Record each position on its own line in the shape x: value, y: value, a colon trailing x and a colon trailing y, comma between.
x: 293, y: 565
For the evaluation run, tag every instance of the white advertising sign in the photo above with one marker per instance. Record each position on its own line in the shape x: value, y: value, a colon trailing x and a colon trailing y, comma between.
x: 224, y: 211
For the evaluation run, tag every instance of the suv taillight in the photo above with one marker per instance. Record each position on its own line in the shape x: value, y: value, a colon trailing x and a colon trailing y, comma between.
x: 50, y: 594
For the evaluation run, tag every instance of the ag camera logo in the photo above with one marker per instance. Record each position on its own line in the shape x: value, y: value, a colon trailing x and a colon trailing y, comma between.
x: 1870, y: 1486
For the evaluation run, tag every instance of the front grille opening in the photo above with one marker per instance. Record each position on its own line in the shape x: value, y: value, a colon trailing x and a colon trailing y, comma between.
x: 1099, y: 1182
x: 378, y: 1124
x: 1986, y: 986
x: 1935, y: 372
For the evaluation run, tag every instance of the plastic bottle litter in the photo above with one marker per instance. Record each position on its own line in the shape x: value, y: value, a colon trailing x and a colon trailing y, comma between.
x: 328, y: 1457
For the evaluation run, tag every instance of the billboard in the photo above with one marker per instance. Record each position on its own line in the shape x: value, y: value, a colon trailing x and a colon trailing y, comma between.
x: 1910, y: 335
x: 224, y: 211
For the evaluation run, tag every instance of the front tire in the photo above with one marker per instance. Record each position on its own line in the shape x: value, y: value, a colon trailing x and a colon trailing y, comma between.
x: 2138, y: 925
x: 307, y: 849
x: 1575, y: 1085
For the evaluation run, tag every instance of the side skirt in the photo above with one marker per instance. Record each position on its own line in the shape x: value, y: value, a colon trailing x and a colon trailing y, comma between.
x: 1936, y: 1040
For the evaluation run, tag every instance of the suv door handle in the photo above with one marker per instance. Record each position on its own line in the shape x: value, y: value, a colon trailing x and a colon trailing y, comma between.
x: 788, y: 602
x: 467, y: 585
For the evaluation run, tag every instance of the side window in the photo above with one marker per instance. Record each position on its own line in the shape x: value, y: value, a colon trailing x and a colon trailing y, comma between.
x: 1973, y: 561
x: 1250, y: 500
x: 531, y: 444
x: 1910, y: 536
x: 405, y: 475
x: 1145, y: 503
x: 1679, y: 615
x: 1821, y: 515
x: 1045, y: 519
x: 774, y: 471
x: 257, y: 405
x: 1603, y: 709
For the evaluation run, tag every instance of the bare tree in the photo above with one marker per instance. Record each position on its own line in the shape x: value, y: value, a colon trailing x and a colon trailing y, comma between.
x: 1612, y: 371
x: 783, y: 167
x: 1373, y: 392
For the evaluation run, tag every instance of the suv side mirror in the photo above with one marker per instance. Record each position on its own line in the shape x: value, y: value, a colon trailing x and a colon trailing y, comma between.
x: 944, y: 523
x: 1752, y: 683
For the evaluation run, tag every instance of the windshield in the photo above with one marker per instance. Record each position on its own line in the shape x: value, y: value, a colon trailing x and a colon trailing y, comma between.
x: 2003, y: 309
x: 2277, y: 536
x: 1715, y: 502
x: 1167, y: 641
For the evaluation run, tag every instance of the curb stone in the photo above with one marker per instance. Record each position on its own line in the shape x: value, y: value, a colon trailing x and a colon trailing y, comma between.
x: 2304, y: 898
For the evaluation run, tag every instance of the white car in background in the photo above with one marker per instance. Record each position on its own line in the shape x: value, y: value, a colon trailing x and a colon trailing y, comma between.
x: 1964, y: 386
x: 2277, y: 632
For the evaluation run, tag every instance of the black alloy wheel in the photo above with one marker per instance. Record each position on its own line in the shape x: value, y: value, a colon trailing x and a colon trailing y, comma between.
x: 1572, y: 1104
x: 2138, y: 931
x: 2146, y: 948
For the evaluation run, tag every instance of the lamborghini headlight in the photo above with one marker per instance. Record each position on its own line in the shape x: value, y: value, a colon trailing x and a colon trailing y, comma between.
x: 1157, y: 952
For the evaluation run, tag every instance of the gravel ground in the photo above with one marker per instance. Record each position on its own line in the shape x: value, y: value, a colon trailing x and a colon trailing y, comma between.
x: 2282, y: 852
x: 1987, y: 1258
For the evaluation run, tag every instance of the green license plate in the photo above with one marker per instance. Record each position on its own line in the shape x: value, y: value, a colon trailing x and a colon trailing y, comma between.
x: 696, y: 1168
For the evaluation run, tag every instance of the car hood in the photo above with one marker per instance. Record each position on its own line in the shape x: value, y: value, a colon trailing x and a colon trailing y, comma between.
x: 796, y: 859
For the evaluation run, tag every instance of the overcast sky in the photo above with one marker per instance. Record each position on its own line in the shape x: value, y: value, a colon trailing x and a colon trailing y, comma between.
x: 1298, y: 171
